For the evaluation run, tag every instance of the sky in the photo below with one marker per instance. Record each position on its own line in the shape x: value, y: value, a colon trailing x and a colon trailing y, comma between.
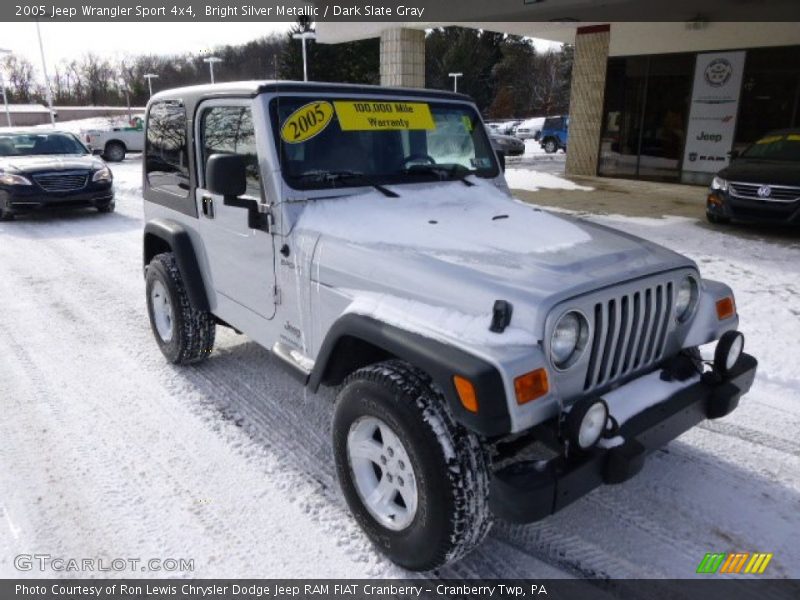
x: 65, y: 41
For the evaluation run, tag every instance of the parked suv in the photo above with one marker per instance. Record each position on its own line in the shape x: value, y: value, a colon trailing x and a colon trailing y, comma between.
x: 491, y: 359
x: 553, y: 135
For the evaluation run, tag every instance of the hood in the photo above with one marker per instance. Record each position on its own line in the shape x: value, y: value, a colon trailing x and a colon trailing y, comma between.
x: 49, y: 162
x: 775, y: 172
x: 449, y: 245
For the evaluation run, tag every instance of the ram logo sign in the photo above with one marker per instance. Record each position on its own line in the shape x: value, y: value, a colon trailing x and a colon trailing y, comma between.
x: 740, y: 563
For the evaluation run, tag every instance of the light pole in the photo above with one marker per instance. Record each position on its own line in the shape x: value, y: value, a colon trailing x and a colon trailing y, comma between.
x: 211, y: 60
x: 306, y: 35
x: 124, y: 87
x: 455, y: 77
x: 47, y: 89
x: 3, y: 85
x: 150, y: 77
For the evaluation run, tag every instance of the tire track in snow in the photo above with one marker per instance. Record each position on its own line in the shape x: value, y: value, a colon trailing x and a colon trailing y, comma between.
x: 98, y: 287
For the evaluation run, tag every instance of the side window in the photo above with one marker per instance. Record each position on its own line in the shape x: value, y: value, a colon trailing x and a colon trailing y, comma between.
x: 167, y: 158
x: 230, y: 130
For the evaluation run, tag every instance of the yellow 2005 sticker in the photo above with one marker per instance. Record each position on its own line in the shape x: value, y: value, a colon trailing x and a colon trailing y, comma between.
x: 306, y: 122
x: 383, y: 115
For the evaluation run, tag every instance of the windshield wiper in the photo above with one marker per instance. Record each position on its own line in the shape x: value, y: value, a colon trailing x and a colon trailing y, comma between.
x: 454, y: 172
x: 334, y: 176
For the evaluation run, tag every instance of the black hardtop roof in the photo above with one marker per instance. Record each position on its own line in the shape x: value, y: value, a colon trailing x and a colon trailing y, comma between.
x: 196, y: 93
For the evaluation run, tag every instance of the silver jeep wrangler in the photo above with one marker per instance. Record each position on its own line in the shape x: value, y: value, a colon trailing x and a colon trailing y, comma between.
x: 492, y: 359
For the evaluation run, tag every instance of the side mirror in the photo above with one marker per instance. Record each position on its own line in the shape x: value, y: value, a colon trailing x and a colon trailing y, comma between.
x: 97, y: 151
x: 226, y: 176
x: 501, y: 157
x: 734, y: 154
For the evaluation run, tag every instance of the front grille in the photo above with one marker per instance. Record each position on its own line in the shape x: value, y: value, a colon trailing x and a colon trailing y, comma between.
x: 630, y: 333
x: 777, y: 193
x: 62, y: 182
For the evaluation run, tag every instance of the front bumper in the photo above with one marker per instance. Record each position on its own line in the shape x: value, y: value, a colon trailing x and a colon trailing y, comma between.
x: 24, y: 199
x: 753, y: 211
x: 531, y: 490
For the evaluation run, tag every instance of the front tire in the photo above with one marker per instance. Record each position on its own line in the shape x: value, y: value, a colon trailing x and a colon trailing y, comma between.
x: 184, y: 335
x: 716, y: 219
x: 550, y: 146
x: 6, y: 215
x: 107, y: 208
x: 416, y: 481
x: 114, y: 152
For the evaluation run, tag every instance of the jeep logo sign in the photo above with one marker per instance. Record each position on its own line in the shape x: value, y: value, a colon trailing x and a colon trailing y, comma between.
x: 715, y: 99
x: 709, y: 137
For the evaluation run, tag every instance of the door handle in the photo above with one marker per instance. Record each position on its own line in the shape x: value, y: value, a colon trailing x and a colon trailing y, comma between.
x: 207, y: 204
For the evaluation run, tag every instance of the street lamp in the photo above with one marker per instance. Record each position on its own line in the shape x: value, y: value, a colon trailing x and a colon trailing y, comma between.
x: 3, y: 86
x: 150, y: 77
x: 211, y: 60
x: 455, y: 77
x: 47, y: 89
x: 122, y: 83
x: 306, y: 35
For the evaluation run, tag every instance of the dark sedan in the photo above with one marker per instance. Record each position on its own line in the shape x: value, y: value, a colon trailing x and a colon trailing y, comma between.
x: 507, y: 144
x: 44, y: 169
x: 761, y: 185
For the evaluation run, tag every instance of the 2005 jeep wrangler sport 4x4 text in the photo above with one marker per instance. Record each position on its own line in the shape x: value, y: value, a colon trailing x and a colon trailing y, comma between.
x: 492, y: 359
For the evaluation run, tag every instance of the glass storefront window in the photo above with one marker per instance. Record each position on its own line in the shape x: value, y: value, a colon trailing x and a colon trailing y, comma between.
x: 770, y: 93
x: 646, y: 112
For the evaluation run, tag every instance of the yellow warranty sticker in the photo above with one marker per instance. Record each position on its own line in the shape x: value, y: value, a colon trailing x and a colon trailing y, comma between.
x: 306, y: 122
x: 383, y: 115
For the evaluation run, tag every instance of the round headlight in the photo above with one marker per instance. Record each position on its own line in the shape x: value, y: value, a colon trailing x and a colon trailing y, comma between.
x: 569, y: 339
x: 586, y: 422
x: 729, y: 349
x: 686, y: 299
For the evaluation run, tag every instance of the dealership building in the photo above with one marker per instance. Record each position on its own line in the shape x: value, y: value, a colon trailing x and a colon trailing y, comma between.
x: 664, y: 101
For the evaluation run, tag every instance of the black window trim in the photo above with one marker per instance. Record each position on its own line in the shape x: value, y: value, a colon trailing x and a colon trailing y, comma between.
x: 182, y: 204
x: 206, y: 105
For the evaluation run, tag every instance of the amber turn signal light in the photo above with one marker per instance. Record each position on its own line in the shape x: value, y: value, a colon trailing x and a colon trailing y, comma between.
x: 531, y: 386
x: 466, y: 393
x: 726, y: 308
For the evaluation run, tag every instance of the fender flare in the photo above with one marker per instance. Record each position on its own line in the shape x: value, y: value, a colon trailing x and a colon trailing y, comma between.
x: 174, y: 235
x: 440, y: 360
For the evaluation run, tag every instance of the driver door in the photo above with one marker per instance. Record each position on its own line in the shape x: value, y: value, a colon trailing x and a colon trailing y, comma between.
x: 240, y: 259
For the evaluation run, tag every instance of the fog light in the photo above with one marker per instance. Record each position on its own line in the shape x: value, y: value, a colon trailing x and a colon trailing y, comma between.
x: 586, y: 422
x: 729, y: 350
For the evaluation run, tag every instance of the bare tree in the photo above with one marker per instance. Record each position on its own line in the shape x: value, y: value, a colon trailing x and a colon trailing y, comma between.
x: 21, y: 78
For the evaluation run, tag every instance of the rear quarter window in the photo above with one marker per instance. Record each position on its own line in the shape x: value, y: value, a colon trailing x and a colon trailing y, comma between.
x: 166, y: 152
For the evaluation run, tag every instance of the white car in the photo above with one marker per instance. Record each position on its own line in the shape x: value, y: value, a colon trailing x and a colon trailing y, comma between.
x: 115, y: 142
x: 529, y: 128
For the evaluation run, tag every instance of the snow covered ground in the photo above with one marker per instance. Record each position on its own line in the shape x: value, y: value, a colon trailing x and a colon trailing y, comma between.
x: 107, y: 452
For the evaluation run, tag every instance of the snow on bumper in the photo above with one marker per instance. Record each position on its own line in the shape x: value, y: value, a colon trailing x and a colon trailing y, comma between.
x: 527, y: 491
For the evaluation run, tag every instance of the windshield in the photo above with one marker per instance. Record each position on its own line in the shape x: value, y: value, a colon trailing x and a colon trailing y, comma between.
x: 343, y: 142
x: 784, y: 146
x: 36, y: 144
